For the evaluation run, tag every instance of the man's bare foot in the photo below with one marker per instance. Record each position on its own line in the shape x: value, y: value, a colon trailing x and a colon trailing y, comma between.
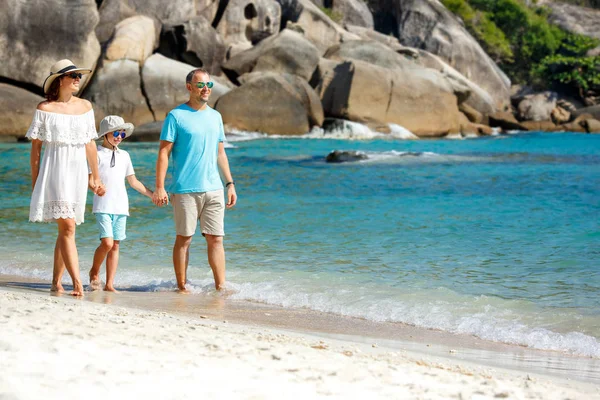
x: 58, y: 288
x: 95, y: 283
x: 110, y: 289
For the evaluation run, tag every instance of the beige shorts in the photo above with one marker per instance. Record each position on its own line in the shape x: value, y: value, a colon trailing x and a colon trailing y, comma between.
x: 208, y: 207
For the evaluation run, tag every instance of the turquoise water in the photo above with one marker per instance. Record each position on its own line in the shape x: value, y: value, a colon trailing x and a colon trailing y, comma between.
x: 495, y: 237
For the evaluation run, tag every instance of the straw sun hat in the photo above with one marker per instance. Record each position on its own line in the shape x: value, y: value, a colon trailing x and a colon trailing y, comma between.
x: 61, y: 68
x: 114, y: 123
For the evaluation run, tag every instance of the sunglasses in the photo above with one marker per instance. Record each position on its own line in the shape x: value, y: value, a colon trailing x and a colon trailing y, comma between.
x: 74, y: 75
x: 200, y: 85
x: 116, y: 134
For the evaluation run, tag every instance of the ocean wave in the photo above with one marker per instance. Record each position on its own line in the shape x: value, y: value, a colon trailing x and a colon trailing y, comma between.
x: 514, y: 322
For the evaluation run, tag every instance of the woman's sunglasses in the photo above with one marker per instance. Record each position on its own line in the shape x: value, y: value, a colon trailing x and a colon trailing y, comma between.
x: 200, y: 85
x: 74, y: 75
x: 116, y: 134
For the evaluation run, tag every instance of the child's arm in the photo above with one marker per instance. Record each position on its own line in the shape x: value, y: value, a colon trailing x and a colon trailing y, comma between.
x: 139, y: 186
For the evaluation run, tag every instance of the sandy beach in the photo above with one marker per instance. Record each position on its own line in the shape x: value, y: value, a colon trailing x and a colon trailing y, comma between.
x: 56, y: 347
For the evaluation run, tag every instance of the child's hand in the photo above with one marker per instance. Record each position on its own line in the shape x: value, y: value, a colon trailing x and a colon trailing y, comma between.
x: 101, y: 190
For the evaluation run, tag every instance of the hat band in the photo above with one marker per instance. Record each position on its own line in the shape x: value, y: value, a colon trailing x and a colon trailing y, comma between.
x: 65, y: 69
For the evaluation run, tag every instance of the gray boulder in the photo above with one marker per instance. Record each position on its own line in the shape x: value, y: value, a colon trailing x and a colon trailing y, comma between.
x: 343, y: 12
x: 34, y: 36
x: 419, y: 100
x: 164, y: 85
x: 428, y: 25
x: 575, y: 19
x: 287, y: 52
x: 135, y: 39
x: 537, y: 107
x: 593, y: 111
x: 340, y: 156
x: 17, y: 107
x: 172, y: 12
x: 281, y: 104
x: 116, y: 89
x: 246, y: 22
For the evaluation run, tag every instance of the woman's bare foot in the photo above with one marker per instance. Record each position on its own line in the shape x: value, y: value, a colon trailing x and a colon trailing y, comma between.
x: 58, y: 288
x: 77, y: 290
x: 110, y: 289
x: 183, y: 290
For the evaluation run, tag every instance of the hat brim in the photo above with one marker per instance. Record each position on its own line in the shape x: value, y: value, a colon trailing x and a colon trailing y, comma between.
x: 127, y: 127
x: 52, y: 77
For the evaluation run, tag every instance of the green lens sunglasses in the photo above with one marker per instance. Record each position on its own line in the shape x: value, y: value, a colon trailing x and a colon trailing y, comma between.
x: 200, y: 85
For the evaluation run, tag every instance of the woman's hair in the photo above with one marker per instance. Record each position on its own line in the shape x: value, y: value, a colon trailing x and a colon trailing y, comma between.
x: 52, y: 94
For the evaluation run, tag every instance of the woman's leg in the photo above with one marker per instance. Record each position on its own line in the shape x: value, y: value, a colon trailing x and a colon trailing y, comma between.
x: 68, y: 250
x: 58, y: 270
x: 112, y: 262
x: 99, y: 255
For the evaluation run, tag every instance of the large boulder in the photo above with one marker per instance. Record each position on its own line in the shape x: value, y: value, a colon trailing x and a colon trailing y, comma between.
x: 575, y: 19
x: 428, y: 25
x: 246, y: 22
x: 287, y: 52
x: 35, y: 35
x: 116, y: 89
x: 419, y: 100
x: 135, y: 39
x: 537, y: 107
x: 594, y: 111
x: 317, y: 26
x: 17, y: 107
x: 390, y: 41
x: 348, y: 12
x: 171, y: 12
x: 194, y: 42
x: 164, y: 85
x: 281, y: 104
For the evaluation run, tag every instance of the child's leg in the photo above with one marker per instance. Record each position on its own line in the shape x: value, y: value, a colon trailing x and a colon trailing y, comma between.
x: 119, y: 224
x: 112, y: 262
x: 104, y: 223
x: 106, y: 244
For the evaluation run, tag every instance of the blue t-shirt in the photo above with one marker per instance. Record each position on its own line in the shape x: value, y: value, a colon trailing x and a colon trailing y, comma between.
x: 195, y: 135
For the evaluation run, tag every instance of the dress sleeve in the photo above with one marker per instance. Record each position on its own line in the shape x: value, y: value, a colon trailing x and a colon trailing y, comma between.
x: 37, y: 129
x: 91, y: 131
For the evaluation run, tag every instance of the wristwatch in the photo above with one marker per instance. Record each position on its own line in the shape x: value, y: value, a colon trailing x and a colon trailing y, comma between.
x: 229, y: 183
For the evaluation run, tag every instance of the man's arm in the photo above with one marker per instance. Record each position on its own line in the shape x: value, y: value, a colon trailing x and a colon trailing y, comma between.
x: 223, y: 163
x: 160, y: 197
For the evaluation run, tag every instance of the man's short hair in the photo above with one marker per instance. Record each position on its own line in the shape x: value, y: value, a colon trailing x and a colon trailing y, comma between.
x: 190, y: 76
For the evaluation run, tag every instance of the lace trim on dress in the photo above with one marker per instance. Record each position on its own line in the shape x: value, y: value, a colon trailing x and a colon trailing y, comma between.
x: 63, y: 128
x: 51, y: 210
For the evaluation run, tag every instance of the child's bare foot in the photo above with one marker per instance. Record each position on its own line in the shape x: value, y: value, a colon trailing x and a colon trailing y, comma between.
x: 58, y: 288
x: 95, y: 283
x: 110, y: 289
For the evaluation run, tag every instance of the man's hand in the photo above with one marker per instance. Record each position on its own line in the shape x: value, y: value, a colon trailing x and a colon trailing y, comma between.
x: 160, y: 197
x: 231, y: 196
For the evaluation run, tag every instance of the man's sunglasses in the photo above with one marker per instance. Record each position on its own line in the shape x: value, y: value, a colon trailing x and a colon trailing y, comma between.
x: 200, y: 85
x: 116, y: 134
x: 74, y: 75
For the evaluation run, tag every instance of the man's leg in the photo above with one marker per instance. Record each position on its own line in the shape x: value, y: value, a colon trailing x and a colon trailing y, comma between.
x: 181, y: 257
x: 216, y: 259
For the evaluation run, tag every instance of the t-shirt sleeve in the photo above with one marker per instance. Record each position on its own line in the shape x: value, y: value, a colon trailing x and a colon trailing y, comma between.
x: 129, y: 171
x: 169, y: 129
x: 221, y: 130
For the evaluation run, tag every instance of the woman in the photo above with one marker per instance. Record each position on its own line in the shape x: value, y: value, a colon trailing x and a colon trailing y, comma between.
x: 66, y: 125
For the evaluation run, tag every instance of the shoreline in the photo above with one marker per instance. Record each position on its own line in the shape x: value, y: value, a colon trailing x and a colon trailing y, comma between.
x: 420, y: 342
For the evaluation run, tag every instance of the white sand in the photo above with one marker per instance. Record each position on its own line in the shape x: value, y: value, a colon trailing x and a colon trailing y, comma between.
x: 58, y: 347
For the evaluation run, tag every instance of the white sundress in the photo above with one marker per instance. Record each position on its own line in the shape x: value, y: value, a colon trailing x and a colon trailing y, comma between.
x: 61, y: 187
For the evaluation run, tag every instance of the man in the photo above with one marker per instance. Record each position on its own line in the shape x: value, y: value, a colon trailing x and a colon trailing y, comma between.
x: 193, y: 134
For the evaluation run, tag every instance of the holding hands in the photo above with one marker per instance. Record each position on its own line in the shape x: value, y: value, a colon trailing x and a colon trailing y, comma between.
x: 160, y: 197
x: 97, y: 186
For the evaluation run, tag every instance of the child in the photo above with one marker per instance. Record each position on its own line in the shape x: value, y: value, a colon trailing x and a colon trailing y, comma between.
x: 112, y: 209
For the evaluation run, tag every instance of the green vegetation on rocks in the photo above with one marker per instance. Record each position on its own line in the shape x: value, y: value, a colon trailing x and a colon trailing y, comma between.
x: 526, y: 46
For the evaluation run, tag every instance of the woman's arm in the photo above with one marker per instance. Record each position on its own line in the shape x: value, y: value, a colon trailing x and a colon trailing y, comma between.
x: 139, y: 186
x: 91, y: 153
x: 34, y: 160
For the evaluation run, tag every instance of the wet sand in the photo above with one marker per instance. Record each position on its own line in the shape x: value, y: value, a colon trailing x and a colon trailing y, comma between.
x: 463, y: 349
